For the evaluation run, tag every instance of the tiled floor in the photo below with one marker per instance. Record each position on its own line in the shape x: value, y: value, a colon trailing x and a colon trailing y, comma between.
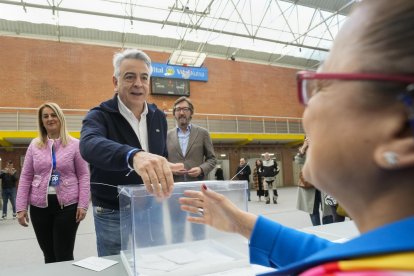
x: 18, y: 244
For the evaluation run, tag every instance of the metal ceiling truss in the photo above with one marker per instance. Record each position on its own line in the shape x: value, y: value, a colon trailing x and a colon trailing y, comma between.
x: 192, y: 19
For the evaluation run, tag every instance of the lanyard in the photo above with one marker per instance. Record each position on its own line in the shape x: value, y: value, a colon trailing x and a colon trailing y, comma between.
x: 55, y: 177
x: 53, y: 158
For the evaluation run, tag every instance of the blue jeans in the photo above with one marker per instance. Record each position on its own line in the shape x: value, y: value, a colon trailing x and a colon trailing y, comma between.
x: 147, y: 226
x: 107, y: 228
x: 9, y: 193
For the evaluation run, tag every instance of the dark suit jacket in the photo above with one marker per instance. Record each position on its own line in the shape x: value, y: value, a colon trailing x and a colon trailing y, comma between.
x: 200, y: 152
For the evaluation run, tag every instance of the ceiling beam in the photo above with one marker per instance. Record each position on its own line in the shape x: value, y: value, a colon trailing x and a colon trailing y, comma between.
x: 170, y: 23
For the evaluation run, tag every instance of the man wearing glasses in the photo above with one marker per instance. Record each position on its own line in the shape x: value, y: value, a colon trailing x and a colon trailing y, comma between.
x: 189, y: 144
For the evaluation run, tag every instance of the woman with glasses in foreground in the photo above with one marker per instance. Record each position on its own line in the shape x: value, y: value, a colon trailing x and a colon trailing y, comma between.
x: 360, y: 121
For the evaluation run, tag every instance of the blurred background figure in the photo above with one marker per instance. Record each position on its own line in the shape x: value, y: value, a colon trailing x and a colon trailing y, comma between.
x: 310, y: 199
x: 258, y: 178
x: 243, y: 173
x: 270, y: 170
x: 9, y: 177
x: 219, y: 173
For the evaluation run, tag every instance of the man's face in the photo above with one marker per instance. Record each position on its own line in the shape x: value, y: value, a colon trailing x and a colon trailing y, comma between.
x: 242, y: 162
x: 183, y: 114
x: 133, y: 83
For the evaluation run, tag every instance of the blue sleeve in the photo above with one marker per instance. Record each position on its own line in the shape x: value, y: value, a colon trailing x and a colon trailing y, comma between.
x: 274, y: 245
x: 165, y: 127
x: 97, y: 149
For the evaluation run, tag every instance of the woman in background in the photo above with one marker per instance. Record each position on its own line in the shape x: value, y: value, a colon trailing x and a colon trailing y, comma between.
x: 258, y: 178
x: 310, y: 199
x: 55, y: 184
x: 360, y: 121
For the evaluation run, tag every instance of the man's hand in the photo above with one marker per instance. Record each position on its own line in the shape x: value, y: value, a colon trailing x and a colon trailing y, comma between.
x: 10, y: 171
x: 156, y: 172
x: 194, y: 172
x: 180, y: 172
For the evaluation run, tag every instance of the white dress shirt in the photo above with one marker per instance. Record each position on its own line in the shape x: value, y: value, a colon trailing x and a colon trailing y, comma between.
x: 138, y: 125
x: 183, y: 138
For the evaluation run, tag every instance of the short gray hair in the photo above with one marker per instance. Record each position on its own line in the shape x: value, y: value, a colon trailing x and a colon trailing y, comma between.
x: 130, y: 54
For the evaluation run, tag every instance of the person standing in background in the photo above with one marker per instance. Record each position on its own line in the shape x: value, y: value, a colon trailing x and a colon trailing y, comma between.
x: 9, y: 179
x: 124, y: 141
x: 191, y: 145
x: 243, y: 173
x: 270, y: 170
x: 310, y: 199
x: 258, y: 179
x: 219, y: 173
x: 55, y: 184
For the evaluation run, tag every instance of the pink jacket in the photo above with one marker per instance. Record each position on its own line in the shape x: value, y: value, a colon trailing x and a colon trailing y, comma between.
x: 74, y: 184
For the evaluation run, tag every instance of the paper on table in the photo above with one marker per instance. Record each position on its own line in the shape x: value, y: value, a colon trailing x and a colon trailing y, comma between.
x: 179, y: 256
x: 95, y: 263
x: 164, y: 265
x: 214, y: 257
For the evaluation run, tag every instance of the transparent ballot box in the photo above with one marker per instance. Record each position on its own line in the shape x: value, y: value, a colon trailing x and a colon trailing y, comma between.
x: 157, y: 239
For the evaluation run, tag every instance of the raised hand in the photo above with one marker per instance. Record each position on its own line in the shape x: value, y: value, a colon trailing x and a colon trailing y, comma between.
x: 216, y: 210
x: 156, y: 173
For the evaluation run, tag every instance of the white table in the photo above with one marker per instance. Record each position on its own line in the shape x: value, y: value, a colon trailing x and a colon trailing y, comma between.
x: 341, y: 231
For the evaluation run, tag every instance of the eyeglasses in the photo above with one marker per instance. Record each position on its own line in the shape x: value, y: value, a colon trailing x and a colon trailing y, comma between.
x: 179, y: 109
x: 307, y: 85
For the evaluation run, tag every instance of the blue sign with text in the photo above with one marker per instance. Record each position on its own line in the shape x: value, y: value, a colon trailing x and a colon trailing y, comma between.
x: 179, y: 72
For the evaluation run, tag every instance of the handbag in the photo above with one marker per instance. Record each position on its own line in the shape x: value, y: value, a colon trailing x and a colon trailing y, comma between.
x: 303, y: 183
x: 331, y: 201
x: 341, y: 211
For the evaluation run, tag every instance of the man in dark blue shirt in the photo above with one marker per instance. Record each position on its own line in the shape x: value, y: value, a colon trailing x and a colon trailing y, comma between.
x: 124, y: 141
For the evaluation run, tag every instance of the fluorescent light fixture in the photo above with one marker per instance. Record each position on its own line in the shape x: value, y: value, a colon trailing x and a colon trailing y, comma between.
x: 270, y: 154
x: 187, y: 58
x: 223, y: 155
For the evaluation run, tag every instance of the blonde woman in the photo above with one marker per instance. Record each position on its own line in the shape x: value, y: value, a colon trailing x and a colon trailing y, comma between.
x: 55, y: 184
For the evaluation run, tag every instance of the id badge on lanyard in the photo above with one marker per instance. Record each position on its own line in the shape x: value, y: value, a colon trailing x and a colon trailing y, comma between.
x: 55, y: 177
